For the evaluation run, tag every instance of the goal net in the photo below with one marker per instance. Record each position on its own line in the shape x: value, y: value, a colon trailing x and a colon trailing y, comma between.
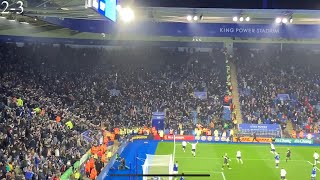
x: 158, y: 164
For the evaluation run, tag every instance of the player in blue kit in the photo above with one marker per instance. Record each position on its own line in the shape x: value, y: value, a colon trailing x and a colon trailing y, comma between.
x: 182, y: 178
x: 277, y: 158
x: 175, y: 168
x: 314, y: 173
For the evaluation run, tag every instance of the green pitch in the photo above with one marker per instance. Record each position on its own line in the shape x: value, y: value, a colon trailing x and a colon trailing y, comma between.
x: 258, y: 161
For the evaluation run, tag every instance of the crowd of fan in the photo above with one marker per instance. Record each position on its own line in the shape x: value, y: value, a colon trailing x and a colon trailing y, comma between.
x: 44, y: 87
x: 264, y: 74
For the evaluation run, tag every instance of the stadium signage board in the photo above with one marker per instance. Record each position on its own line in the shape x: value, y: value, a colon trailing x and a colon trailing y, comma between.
x: 250, y: 139
x: 293, y: 141
x: 140, y: 137
x: 259, y: 127
x: 179, y: 137
x: 210, y: 138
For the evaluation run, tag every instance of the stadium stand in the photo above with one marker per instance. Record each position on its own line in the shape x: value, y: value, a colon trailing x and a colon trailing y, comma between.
x: 56, y: 105
x: 271, y: 91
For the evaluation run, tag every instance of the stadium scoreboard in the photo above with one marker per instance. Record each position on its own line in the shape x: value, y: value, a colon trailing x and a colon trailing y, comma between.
x: 106, y: 8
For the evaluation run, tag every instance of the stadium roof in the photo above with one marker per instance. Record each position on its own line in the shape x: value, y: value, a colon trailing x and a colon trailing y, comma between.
x: 76, y: 9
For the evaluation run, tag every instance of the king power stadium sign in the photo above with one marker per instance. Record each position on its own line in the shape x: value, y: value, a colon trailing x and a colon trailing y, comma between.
x: 251, y: 30
x: 293, y: 141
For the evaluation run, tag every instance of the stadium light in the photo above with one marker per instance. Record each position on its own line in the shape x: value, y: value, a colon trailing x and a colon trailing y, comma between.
x: 284, y: 20
x: 291, y: 20
x: 241, y: 19
x: 118, y: 7
x: 195, y: 18
x: 235, y: 19
x: 127, y: 14
x: 248, y: 19
x: 278, y: 20
x: 189, y: 18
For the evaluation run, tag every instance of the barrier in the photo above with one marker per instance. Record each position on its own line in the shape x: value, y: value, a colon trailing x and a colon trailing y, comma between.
x: 179, y: 137
x: 293, y: 141
x: 250, y: 139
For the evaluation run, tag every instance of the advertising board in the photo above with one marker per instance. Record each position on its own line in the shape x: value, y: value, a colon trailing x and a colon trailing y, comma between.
x: 179, y: 137
x: 293, y: 141
x: 137, y: 137
x: 250, y: 139
x: 210, y: 138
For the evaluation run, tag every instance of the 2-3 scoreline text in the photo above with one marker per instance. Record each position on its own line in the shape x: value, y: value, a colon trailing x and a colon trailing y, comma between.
x: 5, y: 7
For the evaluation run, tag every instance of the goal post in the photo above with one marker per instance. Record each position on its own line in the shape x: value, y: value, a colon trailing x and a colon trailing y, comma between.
x: 158, y: 164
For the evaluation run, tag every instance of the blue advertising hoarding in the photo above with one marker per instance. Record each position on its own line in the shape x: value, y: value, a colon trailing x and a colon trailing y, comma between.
x: 259, y: 127
x: 200, y: 95
x: 158, y: 120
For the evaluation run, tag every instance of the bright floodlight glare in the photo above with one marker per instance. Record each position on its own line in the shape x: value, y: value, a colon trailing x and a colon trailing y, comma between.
x: 241, y: 19
x: 284, y: 20
x: 291, y: 20
x: 278, y: 20
x: 127, y: 14
x: 195, y: 18
x: 118, y: 7
x: 189, y: 18
x: 247, y: 18
x: 235, y: 19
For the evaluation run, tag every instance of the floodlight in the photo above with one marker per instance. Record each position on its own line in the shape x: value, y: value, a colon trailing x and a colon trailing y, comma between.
x: 284, y: 20
x: 241, y: 19
x: 278, y: 20
x: 235, y: 18
x: 127, y: 14
x: 189, y: 18
x: 195, y: 18
x: 247, y: 18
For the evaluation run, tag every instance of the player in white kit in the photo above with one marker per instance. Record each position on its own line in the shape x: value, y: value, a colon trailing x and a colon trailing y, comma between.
x: 283, y: 174
x: 273, y: 149
x: 194, y: 146
x: 316, y: 157
x: 239, y: 159
x: 184, y: 144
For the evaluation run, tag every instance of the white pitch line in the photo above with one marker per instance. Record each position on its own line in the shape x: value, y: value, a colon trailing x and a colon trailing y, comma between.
x: 224, y: 177
x: 313, y: 164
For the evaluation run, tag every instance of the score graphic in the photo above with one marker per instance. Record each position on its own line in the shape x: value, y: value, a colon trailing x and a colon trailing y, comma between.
x: 107, y: 8
x: 6, y: 8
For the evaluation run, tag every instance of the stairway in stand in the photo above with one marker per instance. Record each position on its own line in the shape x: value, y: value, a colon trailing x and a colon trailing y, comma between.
x: 287, y: 132
x: 235, y: 92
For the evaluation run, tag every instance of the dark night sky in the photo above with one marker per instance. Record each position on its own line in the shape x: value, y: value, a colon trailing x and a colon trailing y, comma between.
x: 241, y: 4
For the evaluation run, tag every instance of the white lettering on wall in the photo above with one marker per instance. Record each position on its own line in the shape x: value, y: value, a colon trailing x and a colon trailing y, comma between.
x: 250, y: 30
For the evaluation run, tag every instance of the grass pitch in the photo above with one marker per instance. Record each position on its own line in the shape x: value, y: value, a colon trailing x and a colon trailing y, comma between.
x: 258, y: 161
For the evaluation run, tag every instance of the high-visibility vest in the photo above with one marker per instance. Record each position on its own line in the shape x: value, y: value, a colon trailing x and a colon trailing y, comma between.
x: 103, y: 158
x: 301, y: 134
x: 116, y: 130
x: 294, y: 134
x: 93, y: 174
x: 209, y: 133
x: 112, y: 137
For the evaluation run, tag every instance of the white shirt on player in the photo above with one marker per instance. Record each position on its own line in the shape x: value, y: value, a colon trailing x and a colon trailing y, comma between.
x: 283, y: 173
x: 316, y: 155
x: 194, y: 145
x: 272, y: 146
x: 184, y: 143
x: 238, y: 154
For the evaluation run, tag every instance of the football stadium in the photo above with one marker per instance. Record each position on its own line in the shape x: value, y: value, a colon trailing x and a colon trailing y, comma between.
x: 159, y: 89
